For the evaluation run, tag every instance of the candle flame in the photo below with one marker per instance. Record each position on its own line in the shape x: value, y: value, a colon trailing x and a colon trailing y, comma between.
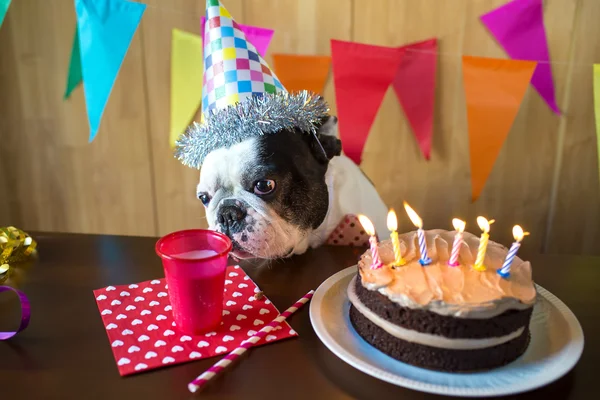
x: 518, y: 233
x: 367, y: 225
x: 414, y: 217
x: 458, y: 224
x: 484, y: 224
x: 392, y: 221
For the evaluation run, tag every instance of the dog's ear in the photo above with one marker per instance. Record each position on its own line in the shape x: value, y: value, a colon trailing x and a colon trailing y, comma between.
x: 329, y: 126
x: 328, y: 141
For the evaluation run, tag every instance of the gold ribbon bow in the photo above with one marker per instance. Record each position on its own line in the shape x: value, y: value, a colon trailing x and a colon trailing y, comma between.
x: 15, y: 246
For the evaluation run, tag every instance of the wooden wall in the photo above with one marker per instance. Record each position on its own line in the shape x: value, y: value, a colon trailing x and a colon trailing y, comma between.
x: 127, y: 182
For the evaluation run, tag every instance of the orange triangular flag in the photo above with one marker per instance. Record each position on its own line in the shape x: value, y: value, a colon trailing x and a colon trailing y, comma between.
x: 298, y: 72
x: 494, y: 90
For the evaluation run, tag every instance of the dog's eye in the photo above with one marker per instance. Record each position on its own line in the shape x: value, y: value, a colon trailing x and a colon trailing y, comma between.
x: 204, y: 198
x: 264, y: 186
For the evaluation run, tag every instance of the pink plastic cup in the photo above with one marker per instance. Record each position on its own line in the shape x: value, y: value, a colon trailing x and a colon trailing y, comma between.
x: 195, y: 261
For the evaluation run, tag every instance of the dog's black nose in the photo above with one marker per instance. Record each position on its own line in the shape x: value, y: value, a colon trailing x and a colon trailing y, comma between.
x: 229, y: 215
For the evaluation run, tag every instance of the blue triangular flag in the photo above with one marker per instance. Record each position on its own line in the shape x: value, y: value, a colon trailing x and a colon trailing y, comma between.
x: 106, y: 28
x: 3, y: 9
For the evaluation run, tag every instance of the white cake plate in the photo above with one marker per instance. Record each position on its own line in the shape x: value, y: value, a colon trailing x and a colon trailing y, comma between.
x: 555, y: 347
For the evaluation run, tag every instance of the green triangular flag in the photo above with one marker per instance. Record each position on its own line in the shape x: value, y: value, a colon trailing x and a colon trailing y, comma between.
x: 3, y: 9
x: 75, y: 77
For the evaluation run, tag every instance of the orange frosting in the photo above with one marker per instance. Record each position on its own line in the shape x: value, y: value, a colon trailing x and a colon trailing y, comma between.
x: 457, y: 291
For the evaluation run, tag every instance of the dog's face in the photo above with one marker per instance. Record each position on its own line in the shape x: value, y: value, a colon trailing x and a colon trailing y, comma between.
x: 268, y: 194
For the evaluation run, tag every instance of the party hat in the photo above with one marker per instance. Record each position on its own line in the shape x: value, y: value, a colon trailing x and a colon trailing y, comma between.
x: 241, y: 96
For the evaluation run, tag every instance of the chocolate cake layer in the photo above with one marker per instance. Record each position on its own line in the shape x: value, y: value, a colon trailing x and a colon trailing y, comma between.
x: 437, y: 358
x: 428, y: 322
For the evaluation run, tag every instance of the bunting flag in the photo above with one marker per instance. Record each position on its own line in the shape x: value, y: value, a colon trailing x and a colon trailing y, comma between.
x: 105, y: 28
x: 362, y: 74
x: 74, y: 76
x: 186, y: 81
x: 597, y: 109
x: 518, y: 27
x: 299, y: 72
x: 494, y: 90
x: 3, y: 9
x: 414, y: 85
x: 259, y: 37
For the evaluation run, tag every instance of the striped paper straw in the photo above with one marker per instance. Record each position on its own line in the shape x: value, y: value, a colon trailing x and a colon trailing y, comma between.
x: 203, y: 379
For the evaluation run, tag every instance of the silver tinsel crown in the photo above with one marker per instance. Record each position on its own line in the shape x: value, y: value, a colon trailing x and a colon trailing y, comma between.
x: 254, y: 116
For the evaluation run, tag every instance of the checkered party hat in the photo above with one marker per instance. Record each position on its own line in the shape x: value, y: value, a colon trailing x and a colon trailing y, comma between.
x: 241, y: 96
x: 233, y: 69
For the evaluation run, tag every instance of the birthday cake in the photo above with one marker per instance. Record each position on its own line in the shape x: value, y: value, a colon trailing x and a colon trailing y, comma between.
x: 442, y: 317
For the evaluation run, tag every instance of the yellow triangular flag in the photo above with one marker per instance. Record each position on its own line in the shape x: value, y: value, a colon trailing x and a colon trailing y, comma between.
x: 597, y: 109
x: 186, y: 81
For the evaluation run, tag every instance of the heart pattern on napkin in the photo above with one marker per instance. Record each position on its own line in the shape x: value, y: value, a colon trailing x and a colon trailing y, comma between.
x: 143, y: 335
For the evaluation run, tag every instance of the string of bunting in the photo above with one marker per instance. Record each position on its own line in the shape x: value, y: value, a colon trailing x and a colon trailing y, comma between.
x: 361, y: 75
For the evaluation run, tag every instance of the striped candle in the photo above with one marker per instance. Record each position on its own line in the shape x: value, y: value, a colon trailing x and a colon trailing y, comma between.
x: 398, y: 260
x: 418, y: 222
x: 376, y: 263
x: 392, y: 224
x: 483, y: 242
x: 459, y: 226
x: 484, y: 224
x: 203, y: 379
x: 453, y: 261
x: 505, y: 270
x: 424, y: 260
x: 512, y: 253
x: 370, y: 230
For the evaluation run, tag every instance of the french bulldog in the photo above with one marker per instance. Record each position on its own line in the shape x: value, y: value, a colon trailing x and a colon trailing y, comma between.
x: 278, y: 195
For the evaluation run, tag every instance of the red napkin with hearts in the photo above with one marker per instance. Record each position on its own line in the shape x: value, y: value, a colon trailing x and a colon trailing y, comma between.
x: 142, y: 332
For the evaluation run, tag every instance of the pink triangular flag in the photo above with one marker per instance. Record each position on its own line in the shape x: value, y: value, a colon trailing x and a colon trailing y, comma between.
x: 259, y: 37
x: 362, y: 74
x: 519, y: 28
x: 414, y: 85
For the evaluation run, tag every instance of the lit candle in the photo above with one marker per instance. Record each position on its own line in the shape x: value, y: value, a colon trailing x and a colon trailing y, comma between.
x: 370, y: 230
x: 392, y: 223
x: 518, y: 234
x: 484, y: 224
x: 418, y: 222
x: 459, y: 226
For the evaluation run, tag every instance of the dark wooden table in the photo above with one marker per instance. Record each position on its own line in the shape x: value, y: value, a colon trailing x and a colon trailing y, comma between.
x: 65, y: 353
